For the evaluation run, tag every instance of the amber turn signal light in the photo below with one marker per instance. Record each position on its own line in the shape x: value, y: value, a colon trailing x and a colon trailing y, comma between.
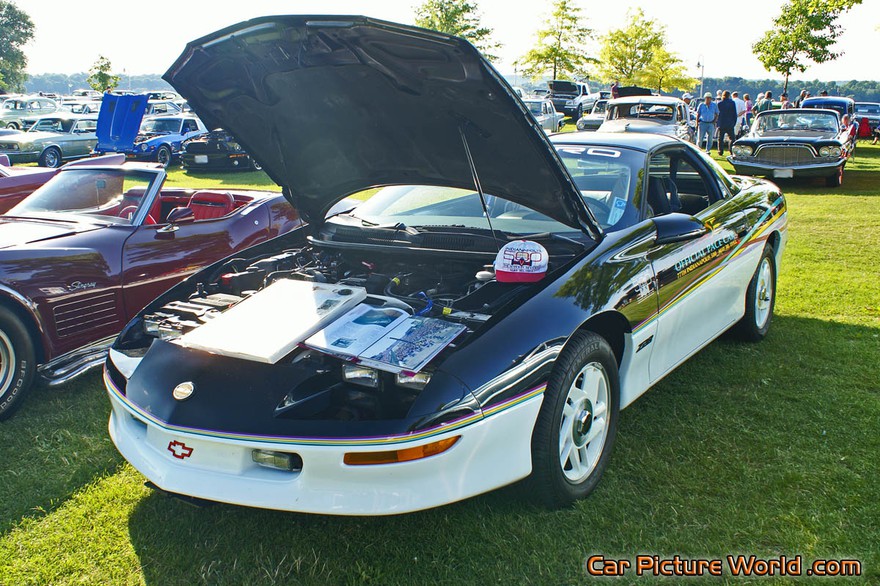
x: 405, y: 455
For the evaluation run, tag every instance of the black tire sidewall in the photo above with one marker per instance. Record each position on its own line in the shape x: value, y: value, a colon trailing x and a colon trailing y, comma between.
x: 43, y: 157
x: 164, y: 148
x: 24, y: 362
x: 548, y: 479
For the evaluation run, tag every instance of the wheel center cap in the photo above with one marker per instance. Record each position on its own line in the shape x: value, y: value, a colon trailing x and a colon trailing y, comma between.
x: 582, y: 424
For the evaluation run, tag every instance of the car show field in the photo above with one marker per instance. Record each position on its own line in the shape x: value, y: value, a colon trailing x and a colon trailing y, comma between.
x: 768, y: 449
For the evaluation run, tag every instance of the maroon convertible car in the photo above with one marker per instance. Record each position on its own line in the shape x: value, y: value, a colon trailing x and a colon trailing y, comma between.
x: 89, y: 249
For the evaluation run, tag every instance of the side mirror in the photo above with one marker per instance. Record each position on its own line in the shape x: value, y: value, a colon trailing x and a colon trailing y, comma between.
x: 181, y: 216
x: 677, y: 227
x: 4, y: 160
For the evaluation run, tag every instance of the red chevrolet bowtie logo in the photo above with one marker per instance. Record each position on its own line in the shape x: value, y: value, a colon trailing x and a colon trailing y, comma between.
x: 179, y: 449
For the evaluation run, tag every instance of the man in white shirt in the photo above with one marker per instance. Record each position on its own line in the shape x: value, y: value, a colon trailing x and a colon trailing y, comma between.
x: 740, y: 114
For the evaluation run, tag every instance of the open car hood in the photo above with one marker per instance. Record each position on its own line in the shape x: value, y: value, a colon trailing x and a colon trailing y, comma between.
x: 332, y: 105
x: 119, y: 121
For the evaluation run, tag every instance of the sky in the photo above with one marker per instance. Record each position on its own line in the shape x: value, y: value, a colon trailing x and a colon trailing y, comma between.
x: 147, y: 39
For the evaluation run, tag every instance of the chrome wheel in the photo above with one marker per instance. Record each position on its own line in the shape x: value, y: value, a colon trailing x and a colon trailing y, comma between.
x: 7, y: 363
x: 52, y: 158
x: 583, y: 427
x: 763, y: 293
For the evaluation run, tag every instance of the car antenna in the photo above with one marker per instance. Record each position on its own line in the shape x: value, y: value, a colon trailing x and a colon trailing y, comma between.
x: 479, y: 188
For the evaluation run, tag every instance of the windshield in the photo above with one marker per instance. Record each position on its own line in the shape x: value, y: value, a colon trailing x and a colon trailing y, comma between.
x: 782, y: 121
x: 51, y: 125
x: 425, y: 206
x: 600, y: 107
x: 606, y: 178
x: 662, y: 112
x: 535, y: 108
x: 161, y: 125
x: 868, y: 108
x: 111, y: 196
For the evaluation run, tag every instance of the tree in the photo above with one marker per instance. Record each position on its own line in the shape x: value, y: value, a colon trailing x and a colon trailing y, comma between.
x: 665, y: 72
x: 16, y: 29
x: 805, y: 31
x: 626, y: 52
x: 459, y: 18
x: 100, y: 77
x: 560, y: 46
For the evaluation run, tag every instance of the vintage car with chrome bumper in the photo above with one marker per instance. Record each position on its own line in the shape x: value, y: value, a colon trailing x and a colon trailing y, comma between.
x: 793, y: 143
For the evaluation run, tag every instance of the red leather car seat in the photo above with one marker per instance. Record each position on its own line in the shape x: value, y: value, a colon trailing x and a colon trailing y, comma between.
x: 207, y: 205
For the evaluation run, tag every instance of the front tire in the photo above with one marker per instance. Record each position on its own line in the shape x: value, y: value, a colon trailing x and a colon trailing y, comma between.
x: 577, y: 425
x: 163, y: 155
x: 835, y: 180
x: 12, y: 126
x: 17, y: 363
x: 760, y: 300
x: 51, y: 158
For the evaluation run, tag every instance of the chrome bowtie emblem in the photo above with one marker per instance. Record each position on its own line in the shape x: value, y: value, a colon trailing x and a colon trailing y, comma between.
x: 183, y: 391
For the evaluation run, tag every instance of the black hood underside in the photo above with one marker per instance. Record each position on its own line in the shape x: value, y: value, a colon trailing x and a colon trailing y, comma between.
x: 332, y: 105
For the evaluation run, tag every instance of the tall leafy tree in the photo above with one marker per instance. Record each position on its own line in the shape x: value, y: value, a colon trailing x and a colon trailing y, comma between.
x: 626, y: 52
x: 459, y: 18
x: 805, y: 31
x: 16, y: 29
x: 100, y: 77
x: 665, y: 72
x: 561, y: 44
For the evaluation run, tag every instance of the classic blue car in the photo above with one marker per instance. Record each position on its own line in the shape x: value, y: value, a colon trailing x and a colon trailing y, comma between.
x: 838, y: 104
x: 122, y: 128
x: 481, y: 319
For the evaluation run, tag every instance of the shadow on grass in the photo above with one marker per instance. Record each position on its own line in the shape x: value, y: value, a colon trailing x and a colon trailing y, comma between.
x: 53, y: 446
x: 757, y: 448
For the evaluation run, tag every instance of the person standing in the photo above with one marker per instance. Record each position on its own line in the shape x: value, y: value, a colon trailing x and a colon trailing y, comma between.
x: 740, y: 113
x: 785, y: 103
x: 707, y: 116
x: 615, y: 91
x: 765, y: 104
x: 726, y: 120
x: 749, y: 106
x: 800, y: 99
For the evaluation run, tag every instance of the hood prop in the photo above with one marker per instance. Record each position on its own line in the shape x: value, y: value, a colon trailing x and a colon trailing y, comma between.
x: 477, y: 186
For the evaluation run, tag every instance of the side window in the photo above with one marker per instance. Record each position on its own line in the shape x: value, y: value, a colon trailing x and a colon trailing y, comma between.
x: 675, y: 184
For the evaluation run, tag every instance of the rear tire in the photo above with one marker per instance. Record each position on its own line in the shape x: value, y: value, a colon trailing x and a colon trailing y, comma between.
x: 17, y: 363
x: 760, y: 300
x: 576, y: 427
x: 12, y: 126
x: 51, y: 158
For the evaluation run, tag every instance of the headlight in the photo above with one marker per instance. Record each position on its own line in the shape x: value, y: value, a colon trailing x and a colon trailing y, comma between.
x: 416, y: 381
x: 742, y: 150
x: 140, y: 147
x: 360, y: 375
x: 829, y: 151
x: 569, y: 102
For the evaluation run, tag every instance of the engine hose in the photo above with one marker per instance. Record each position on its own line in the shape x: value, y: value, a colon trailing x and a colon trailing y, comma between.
x: 429, y: 303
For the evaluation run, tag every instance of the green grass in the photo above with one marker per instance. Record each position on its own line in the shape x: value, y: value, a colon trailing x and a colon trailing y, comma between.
x: 768, y: 449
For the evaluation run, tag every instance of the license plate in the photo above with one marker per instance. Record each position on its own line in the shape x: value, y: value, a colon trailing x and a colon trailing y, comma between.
x: 783, y: 173
x: 201, y: 159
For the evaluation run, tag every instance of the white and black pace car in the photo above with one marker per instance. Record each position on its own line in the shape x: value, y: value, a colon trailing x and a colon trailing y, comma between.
x: 283, y: 378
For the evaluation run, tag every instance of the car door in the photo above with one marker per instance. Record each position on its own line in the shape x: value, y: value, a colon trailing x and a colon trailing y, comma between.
x: 699, y: 296
x: 83, y: 138
x: 157, y: 256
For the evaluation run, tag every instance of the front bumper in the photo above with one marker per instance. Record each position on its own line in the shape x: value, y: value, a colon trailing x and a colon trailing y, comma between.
x: 17, y: 157
x: 493, y: 451
x: 752, y: 167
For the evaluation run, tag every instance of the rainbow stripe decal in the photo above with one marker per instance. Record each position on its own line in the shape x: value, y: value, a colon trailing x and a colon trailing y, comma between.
x: 144, y: 416
x: 754, y: 236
